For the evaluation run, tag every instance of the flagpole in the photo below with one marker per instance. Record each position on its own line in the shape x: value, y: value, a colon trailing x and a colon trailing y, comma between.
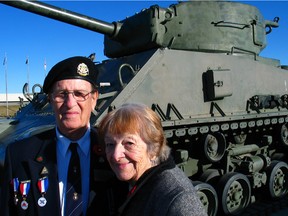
x: 27, y: 63
x: 45, y: 67
x: 6, y: 83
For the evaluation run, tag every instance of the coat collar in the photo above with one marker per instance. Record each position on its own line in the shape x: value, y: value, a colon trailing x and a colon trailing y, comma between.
x: 146, y: 177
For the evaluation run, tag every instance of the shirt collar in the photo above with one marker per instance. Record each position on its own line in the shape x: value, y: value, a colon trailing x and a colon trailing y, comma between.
x: 63, y: 142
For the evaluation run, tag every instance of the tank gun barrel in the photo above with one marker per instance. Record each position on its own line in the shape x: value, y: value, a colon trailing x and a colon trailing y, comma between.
x: 43, y: 9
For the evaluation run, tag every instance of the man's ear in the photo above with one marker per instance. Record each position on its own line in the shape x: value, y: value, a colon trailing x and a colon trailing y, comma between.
x: 94, y: 97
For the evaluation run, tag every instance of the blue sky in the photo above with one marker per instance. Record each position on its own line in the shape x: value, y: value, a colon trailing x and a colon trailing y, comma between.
x: 40, y: 39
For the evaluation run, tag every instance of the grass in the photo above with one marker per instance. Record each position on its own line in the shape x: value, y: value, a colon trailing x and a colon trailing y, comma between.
x: 12, y: 109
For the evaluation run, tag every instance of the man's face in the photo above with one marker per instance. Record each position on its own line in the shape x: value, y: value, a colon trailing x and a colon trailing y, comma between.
x: 72, y: 116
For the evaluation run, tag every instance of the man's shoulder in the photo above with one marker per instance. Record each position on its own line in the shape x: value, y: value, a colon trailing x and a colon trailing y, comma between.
x: 33, y: 140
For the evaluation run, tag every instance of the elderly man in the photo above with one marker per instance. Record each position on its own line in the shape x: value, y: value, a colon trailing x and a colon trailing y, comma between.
x: 62, y: 171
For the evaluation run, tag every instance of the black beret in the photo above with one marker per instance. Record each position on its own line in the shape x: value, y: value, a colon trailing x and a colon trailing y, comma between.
x: 77, y: 67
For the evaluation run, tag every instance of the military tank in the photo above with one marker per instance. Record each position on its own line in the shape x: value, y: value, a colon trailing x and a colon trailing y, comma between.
x: 197, y: 65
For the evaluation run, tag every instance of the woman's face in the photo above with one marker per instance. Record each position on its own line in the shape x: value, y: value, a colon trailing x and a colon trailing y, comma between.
x: 128, y: 156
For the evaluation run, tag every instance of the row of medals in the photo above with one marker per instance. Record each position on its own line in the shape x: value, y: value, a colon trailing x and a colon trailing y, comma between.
x: 24, y: 187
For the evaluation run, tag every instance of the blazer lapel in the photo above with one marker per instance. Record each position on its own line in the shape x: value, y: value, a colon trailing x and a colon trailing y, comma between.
x: 44, y: 165
x: 93, y: 150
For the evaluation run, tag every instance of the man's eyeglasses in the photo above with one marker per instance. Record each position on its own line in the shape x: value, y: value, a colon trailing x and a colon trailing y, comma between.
x: 79, y: 96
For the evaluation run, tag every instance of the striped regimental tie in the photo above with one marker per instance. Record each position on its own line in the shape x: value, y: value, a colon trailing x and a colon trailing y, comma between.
x: 74, y: 201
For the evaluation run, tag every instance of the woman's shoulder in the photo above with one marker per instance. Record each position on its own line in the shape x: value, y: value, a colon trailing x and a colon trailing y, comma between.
x: 175, y: 191
x: 185, y: 200
x: 176, y: 177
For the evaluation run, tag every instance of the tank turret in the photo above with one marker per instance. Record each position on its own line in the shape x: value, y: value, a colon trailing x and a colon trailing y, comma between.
x: 207, y: 26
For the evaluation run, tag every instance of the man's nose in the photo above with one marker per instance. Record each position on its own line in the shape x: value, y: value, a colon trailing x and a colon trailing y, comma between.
x: 69, y: 99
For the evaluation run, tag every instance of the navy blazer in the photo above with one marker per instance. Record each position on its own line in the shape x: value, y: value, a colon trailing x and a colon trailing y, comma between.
x: 35, y: 157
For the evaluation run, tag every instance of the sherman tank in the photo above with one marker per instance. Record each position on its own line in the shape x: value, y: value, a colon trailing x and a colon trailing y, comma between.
x: 197, y: 65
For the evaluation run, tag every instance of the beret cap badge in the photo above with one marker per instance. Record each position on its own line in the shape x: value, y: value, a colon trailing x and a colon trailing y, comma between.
x: 82, y: 69
x: 77, y: 67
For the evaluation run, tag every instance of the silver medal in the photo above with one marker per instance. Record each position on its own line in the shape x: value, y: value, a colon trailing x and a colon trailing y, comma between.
x: 24, y: 205
x: 42, y: 201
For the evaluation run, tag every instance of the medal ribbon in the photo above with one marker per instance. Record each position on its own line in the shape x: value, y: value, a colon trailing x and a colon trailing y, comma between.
x: 24, y: 187
x: 43, y: 184
x: 15, y: 184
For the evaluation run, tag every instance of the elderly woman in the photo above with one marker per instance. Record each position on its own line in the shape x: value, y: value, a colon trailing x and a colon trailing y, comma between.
x: 137, y: 152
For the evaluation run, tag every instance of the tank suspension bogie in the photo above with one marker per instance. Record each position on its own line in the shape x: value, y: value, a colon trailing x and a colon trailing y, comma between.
x: 254, y: 163
x: 277, y: 179
x: 242, y: 149
x: 235, y: 157
x: 208, y: 197
x: 234, y: 192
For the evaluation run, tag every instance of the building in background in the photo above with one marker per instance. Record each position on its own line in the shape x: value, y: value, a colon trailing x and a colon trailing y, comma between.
x: 13, y: 99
